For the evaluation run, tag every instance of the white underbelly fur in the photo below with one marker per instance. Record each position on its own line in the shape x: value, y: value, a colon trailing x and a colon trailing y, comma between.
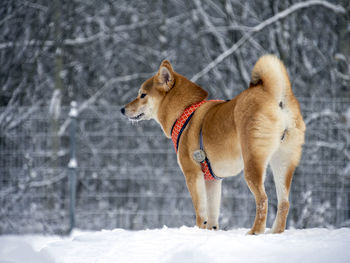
x: 228, y: 168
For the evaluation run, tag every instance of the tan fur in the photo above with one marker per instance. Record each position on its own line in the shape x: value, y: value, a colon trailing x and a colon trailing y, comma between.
x: 243, y: 133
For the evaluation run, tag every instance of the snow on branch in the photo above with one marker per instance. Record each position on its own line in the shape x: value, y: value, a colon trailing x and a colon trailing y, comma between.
x: 48, y: 182
x: 103, y: 34
x: 210, y: 25
x: 316, y: 115
x: 262, y: 25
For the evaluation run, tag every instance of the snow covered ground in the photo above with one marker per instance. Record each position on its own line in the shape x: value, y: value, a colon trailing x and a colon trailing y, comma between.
x: 179, y: 245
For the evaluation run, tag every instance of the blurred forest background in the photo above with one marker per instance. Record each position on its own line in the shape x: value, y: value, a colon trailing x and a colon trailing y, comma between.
x: 97, y: 53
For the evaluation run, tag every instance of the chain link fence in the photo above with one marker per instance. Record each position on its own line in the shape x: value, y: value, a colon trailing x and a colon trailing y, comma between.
x: 127, y: 175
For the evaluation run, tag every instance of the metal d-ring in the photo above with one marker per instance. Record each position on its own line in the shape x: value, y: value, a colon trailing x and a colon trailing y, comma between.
x: 199, y: 155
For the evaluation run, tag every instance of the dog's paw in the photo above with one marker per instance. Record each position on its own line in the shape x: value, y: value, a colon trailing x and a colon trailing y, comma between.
x: 255, y: 232
x: 203, y: 224
x: 211, y: 227
x: 274, y: 231
x: 269, y: 231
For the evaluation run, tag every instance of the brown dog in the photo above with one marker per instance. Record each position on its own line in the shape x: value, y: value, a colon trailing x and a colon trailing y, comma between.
x: 262, y: 125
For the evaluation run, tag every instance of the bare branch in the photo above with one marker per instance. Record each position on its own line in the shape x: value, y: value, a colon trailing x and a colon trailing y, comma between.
x: 6, y: 18
x: 317, y: 115
x: 36, y: 6
x: 262, y: 25
x: 48, y: 182
x: 210, y: 25
x: 220, y: 58
x: 102, y: 34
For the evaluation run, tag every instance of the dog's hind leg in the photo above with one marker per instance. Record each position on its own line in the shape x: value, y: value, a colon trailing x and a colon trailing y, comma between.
x: 213, y: 188
x: 256, y: 152
x: 254, y: 173
x: 283, y: 164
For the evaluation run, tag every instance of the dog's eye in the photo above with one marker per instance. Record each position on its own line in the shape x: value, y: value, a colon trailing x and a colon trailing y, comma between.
x: 143, y: 95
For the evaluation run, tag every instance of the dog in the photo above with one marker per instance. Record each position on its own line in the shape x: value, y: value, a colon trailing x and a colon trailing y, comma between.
x: 218, y: 139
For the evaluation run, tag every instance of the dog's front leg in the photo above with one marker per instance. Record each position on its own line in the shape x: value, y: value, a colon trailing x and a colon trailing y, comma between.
x: 196, y: 186
x: 213, y: 189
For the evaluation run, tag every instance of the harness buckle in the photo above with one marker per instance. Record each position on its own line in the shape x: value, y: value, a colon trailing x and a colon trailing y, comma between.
x: 199, y: 156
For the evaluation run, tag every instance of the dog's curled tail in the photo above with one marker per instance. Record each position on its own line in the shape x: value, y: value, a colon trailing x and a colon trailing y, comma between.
x: 271, y: 73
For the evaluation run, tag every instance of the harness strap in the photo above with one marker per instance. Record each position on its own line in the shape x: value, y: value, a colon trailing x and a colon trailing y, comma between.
x: 176, y: 132
x: 181, y: 123
x: 205, y: 165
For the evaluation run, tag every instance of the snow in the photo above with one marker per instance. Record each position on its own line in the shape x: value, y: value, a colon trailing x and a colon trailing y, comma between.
x: 347, y: 116
x: 183, y: 244
x: 73, y: 163
x: 73, y: 113
x: 55, y: 104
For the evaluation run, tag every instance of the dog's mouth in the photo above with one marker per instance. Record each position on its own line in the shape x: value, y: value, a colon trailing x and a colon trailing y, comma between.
x: 136, y: 118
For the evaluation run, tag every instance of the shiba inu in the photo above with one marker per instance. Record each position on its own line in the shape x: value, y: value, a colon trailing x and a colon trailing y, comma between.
x: 216, y: 139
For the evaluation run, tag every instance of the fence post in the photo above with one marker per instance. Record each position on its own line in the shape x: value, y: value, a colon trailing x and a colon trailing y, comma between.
x: 72, y: 165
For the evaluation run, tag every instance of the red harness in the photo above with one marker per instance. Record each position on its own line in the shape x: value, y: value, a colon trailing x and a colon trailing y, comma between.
x: 177, y: 129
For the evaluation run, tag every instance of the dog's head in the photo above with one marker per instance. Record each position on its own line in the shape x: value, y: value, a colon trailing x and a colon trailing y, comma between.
x: 151, y: 93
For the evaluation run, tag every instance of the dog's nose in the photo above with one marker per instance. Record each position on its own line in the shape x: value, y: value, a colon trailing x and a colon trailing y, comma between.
x: 122, y: 110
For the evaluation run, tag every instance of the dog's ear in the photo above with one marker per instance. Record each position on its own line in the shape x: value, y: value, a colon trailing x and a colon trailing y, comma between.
x: 166, y: 75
